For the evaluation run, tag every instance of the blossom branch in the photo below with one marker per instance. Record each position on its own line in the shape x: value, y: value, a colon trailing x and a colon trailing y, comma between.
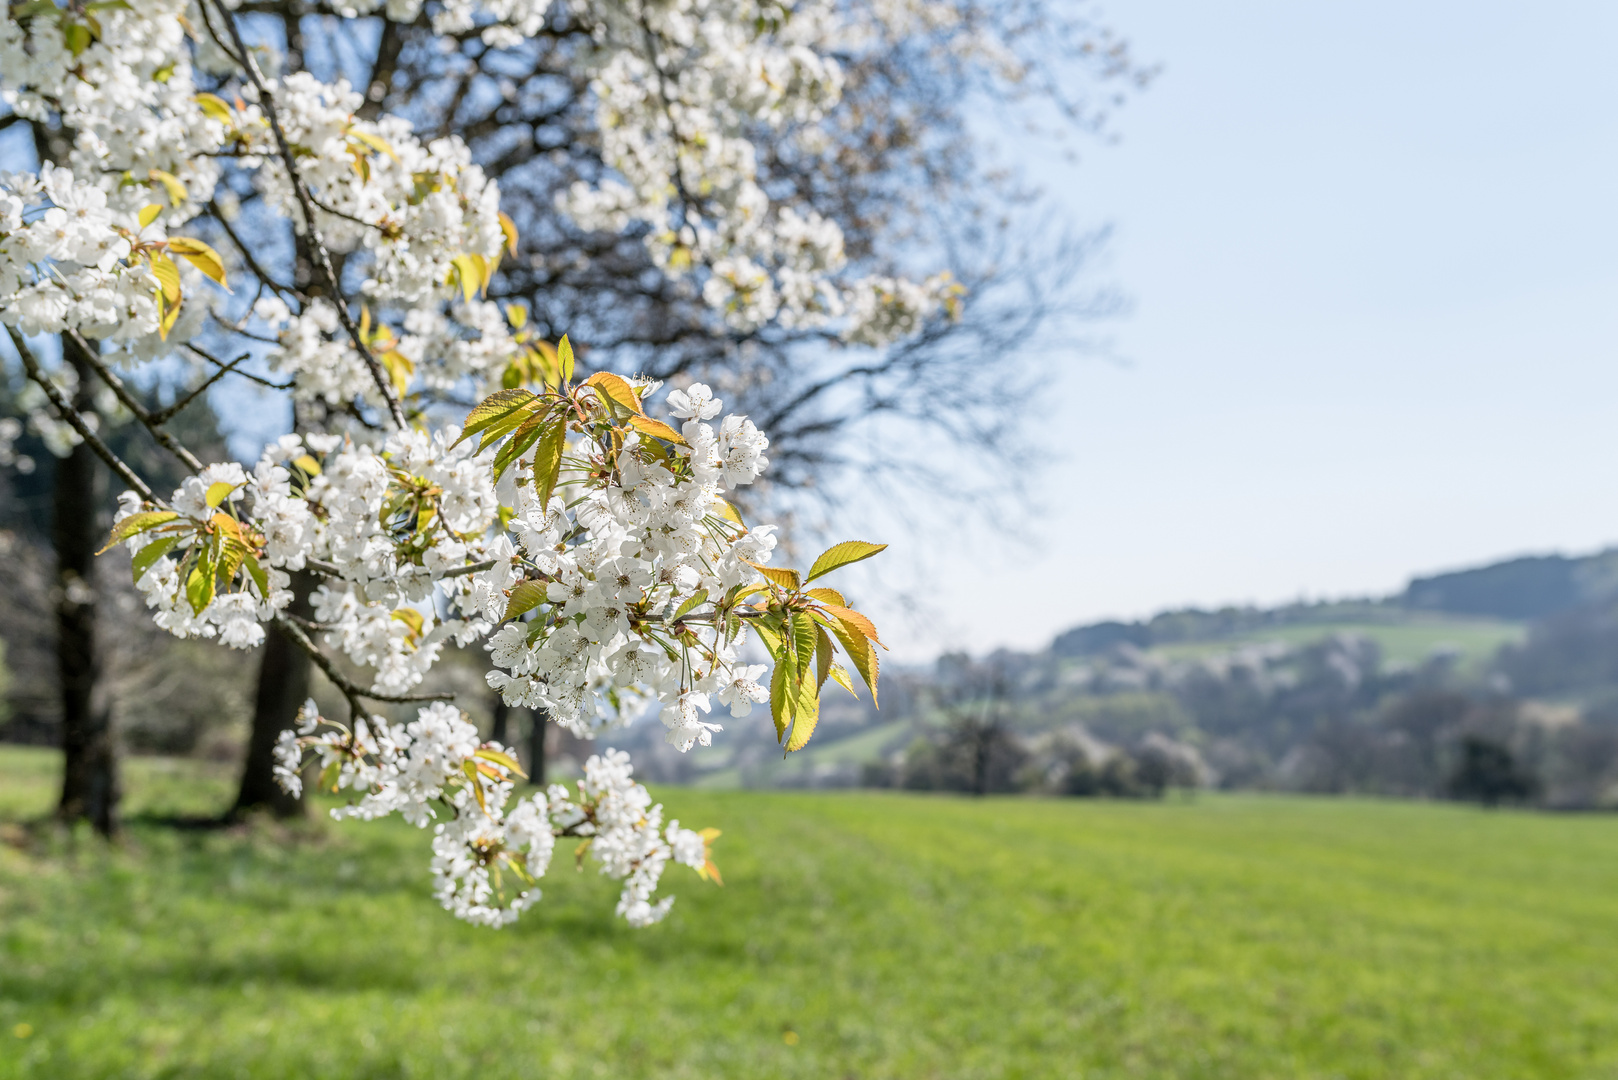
x: 133, y: 404
x: 311, y: 231
x: 66, y: 411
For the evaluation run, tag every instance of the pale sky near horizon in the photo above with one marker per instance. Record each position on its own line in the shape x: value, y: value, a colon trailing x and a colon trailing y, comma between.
x: 1371, y: 254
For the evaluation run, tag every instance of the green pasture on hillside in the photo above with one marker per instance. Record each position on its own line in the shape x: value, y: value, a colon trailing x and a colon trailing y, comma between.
x: 1410, y: 641
x: 857, y: 935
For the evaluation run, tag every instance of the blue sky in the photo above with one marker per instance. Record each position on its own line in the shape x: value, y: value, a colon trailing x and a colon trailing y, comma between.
x: 1371, y: 253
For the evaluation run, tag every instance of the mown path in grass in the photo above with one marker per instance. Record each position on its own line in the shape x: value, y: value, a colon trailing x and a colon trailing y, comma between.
x: 858, y: 935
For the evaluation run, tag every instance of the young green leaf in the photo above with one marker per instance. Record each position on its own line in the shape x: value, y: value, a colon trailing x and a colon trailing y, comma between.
x: 199, y: 587
x: 147, y: 556
x: 840, y: 555
x: 827, y: 596
x: 613, y: 388
x: 218, y: 492
x: 201, y: 256
x: 135, y: 524
x: 502, y: 759
x: 500, y: 407
x: 805, y: 715
x: 525, y: 597
x: 564, y: 358
x: 548, y: 460
x: 521, y: 439
x: 657, y: 430
x: 696, y: 598
x: 823, y: 655
x: 260, y: 578
x: 855, y: 620
x: 148, y: 213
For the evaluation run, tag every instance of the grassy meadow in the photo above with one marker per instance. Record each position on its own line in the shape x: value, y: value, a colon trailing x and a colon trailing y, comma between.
x: 857, y: 935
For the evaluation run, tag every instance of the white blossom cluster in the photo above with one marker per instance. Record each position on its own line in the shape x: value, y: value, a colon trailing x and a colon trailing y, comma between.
x: 488, y: 851
x: 67, y: 262
x: 680, y: 88
x: 619, y: 555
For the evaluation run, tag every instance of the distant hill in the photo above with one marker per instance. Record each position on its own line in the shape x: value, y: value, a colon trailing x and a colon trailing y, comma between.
x: 1516, y: 590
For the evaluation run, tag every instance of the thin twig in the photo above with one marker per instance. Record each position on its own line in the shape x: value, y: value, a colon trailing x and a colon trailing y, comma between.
x: 350, y: 689
x: 312, y: 231
x: 67, y: 412
x: 247, y: 254
x: 132, y: 403
x: 218, y: 363
x: 162, y: 416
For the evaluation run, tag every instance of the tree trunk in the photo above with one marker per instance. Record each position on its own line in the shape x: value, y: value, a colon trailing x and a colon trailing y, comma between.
x: 283, y: 686
x: 90, y: 789
x: 502, y: 721
x: 537, y: 731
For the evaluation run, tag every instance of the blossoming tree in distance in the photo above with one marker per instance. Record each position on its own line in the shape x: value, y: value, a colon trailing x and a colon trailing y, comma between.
x: 594, y: 547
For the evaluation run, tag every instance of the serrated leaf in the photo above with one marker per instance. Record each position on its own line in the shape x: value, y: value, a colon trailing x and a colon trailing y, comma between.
x: 729, y: 512
x: 550, y: 363
x: 525, y: 597
x: 524, y: 436
x: 781, y: 698
x: 804, y: 633
x: 201, y: 256
x: 839, y: 675
x: 168, y: 278
x: 657, y: 430
x: 199, y: 587
x: 840, y: 555
x: 548, y: 460
x: 613, y: 387
x: 498, y: 407
x: 564, y: 358
x: 214, y: 107
x: 779, y: 576
x: 805, y: 715
x: 692, y: 601
x: 260, y: 578
x: 827, y: 596
x: 855, y: 620
x: 171, y: 184
x: 823, y: 655
x: 135, y: 524
x: 767, y: 634
x: 308, y: 464
x: 218, y: 492
x: 147, y: 557
x: 148, y: 214
x: 860, y: 651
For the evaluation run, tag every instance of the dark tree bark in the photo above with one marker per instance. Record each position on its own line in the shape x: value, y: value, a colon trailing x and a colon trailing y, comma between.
x: 537, y: 730
x: 90, y: 789
x: 502, y: 721
x: 283, y: 686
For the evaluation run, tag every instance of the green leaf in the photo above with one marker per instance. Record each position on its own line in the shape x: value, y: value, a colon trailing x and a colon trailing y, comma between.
x: 525, y: 597
x: 827, y: 596
x: 769, y: 635
x: 782, y: 578
x: 147, y: 556
x: 77, y: 37
x: 805, y: 715
x: 698, y: 597
x: 614, y: 388
x: 330, y: 775
x: 804, y: 640
x: 471, y: 772
x: 500, y: 407
x: 839, y: 675
x: 854, y: 621
x: 564, y: 358
x: 823, y: 655
x: 548, y: 460
x: 199, y: 588
x: 260, y: 578
x: 521, y: 439
x: 214, y: 107
x: 218, y: 491
x: 148, y: 213
x: 502, y: 759
x: 658, y: 430
x: 135, y: 524
x: 859, y: 650
x: 781, y: 697
x: 840, y: 555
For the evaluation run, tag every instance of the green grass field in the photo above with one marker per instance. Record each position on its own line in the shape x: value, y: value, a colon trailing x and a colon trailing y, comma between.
x: 858, y: 935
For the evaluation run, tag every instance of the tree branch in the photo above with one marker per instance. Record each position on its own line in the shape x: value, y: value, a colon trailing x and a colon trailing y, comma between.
x: 351, y: 690
x: 132, y: 403
x: 67, y: 412
x: 306, y: 204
